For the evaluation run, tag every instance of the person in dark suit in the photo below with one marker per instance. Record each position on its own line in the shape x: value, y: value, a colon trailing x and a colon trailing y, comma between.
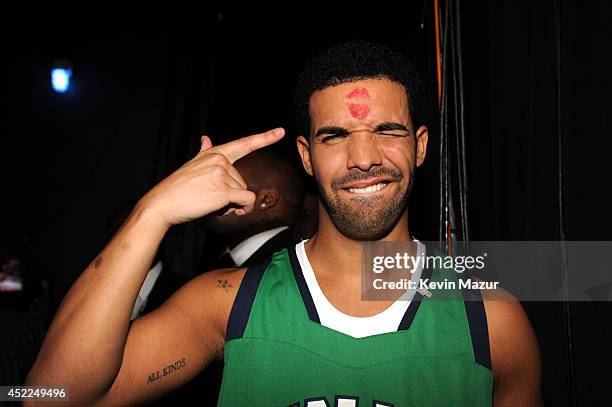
x: 252, y: 238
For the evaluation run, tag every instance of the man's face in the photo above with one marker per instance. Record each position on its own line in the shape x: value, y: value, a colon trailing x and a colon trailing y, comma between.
x: 362, y: 151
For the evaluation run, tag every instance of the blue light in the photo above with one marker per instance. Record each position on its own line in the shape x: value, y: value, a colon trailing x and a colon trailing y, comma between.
x: 60, y: 79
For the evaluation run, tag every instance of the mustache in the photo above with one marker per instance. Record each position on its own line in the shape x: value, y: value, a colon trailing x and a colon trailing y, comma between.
x: 358, y: 175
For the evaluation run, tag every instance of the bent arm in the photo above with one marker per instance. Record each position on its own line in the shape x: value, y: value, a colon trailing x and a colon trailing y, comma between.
x: 90, y: 344
x: 84, y: 346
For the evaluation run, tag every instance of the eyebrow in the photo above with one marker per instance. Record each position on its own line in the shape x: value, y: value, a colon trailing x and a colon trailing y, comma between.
x: 390, y: 126
x: 341, y: 131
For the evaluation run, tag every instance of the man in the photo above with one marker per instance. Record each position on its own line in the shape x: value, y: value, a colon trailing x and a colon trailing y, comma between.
x: 279, y: 194
x: 362, y: 144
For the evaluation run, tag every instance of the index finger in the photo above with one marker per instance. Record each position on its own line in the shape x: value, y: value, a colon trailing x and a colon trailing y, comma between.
x: 235, y: 150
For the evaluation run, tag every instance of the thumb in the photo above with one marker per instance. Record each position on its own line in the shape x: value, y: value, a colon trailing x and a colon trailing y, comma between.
x: 206, y: 143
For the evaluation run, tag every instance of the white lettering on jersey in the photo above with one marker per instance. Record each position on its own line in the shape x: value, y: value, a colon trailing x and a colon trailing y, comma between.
x: 346, y: 401
x: 340, y: 401
x: 317, y: 402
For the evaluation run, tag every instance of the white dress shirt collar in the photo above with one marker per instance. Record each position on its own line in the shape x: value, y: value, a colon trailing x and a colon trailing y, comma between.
x: 247, y: 247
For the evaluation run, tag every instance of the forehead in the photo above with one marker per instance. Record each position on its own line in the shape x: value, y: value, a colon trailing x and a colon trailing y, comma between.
x: 367, y: 101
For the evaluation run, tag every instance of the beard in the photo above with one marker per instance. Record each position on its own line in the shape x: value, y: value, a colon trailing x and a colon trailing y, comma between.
x: 362, y: 218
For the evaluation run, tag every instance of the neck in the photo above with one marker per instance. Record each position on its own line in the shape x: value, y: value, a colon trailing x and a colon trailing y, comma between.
x: 329, y: 251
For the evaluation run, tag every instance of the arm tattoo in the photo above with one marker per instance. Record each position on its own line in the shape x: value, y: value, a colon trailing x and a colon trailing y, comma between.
x: 225, y: 284
x: 166, y: 371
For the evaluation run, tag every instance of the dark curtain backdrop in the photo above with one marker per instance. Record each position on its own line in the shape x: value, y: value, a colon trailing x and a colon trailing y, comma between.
x: 143, y: 97
x: 513, y: 131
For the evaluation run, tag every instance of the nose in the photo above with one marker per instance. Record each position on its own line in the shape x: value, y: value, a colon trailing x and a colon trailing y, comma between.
x: 363, y: 153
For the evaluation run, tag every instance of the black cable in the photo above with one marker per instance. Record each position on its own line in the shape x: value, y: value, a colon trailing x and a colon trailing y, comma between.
x: 567, y: 312
x: 462, y: 158
x: 440, y: 164
x: 445, y: 121
x: 443, y: 128
x: 423, y: 13
x: 453, y: 48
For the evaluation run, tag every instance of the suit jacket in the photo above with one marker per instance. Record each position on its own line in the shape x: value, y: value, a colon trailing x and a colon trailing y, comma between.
x: 167, y: 284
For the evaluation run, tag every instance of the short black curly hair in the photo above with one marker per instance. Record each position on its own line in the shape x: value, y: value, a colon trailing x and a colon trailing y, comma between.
x: 353, y: 61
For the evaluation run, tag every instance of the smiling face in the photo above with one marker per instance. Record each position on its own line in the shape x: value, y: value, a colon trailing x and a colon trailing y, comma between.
x: 362, y: 151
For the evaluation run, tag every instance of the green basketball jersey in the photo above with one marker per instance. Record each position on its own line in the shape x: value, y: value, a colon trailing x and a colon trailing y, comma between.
x: 278, y: 354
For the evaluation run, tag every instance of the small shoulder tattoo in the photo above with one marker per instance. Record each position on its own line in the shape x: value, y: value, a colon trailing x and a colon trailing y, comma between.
x: 225, y: 284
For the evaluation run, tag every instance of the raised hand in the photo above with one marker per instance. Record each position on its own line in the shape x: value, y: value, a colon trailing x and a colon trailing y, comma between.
x: 208, y: 182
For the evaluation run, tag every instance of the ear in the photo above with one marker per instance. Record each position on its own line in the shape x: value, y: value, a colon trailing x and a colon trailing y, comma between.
x: 421, y: 148
x: 304, y: 149
x: 267, y: 197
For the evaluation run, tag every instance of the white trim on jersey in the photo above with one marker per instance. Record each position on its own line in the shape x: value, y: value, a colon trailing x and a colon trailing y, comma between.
x: 357, y: 327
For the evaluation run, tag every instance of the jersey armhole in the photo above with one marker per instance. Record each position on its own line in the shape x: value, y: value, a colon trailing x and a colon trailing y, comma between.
x: 477, y: 321
x: 245, y: 297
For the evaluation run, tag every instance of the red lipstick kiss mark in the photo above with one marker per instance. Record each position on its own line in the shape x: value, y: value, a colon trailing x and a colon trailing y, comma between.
x: 358, y: 94
x: 359, y: 111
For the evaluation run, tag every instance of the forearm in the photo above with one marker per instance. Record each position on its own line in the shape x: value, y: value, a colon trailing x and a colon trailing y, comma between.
x: 84, y: 346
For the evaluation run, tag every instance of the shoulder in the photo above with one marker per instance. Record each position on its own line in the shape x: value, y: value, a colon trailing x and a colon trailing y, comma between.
x: 515, y: 355
x: 509, y: 328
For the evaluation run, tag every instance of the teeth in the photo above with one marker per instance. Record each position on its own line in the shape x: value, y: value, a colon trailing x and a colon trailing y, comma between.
x: 371, y: 188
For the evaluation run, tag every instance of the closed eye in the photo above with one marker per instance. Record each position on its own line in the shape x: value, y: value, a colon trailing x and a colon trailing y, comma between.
x: 332, y: 137
x: 393, y: 129
x: 393, y: 133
